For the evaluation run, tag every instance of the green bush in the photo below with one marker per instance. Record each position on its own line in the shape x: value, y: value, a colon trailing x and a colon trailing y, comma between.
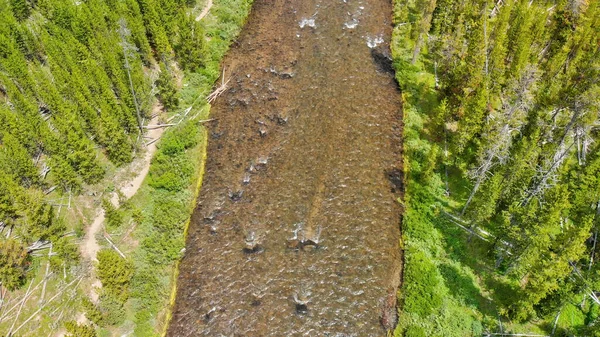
x: 167, y: 91
x: 14, y: 261
x: 163, y: 248
x: 422, y: 291
x: 185, y: 136
x: 114, y: 272
x: 111, y: 305
x: 66, y: 255
x: 171, y: 173
x: 146, y: 288
x: 110, y: 309
x: 91, y: 311
x: 79, y: 330
x: 415, y: 331
x: 171, y: 169
x: 113, y: 216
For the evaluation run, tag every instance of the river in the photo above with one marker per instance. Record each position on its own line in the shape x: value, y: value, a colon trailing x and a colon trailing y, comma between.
x: 297, y: 227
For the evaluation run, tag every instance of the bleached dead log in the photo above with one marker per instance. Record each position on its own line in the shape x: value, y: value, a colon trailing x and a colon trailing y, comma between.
x: 128, y: 48
x: 205, y: 10
x: 590, y: 292
x: 158, y: 126
x: 45, y: 304
x: 593, y: 251
x: 106, y: 236
x: 39, y: 245
x: 128, y: 231
x: 50, y: 190
x: 20, y: 308
x: 152, y: 141
x: 207, y: 120
x: 5, y: 314
x: 218, y: 91
x: 478, y: 232
x: 45, y: 170
x: 46, y: 276
x: 496, y: 8
x: 556, y: 321
x: 172, y: 118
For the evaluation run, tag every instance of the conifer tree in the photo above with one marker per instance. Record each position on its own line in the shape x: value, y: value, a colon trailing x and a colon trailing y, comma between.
x: 191, y: 48
x: 166, y: 89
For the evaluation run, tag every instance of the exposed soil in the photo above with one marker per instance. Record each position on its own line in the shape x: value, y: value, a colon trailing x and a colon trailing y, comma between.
x: 297, y: 229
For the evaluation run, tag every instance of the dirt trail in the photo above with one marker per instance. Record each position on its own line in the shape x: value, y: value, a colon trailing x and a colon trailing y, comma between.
x: 90, y: 246
x: 307, y: 141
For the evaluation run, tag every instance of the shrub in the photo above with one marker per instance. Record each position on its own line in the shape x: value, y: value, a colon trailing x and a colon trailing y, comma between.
x: 91, y: 311
x: 14, y: 261
x: 111, y: 307
x: 163, y: 248
x: 171, y: 173
x: 114, y: 272
x: 79, y: 330
x: 166, y: 88
x: 186, y: 136
x: 66, y: 255
x: 414, y: 331
x: 113, y: 216
x: 422, y: 293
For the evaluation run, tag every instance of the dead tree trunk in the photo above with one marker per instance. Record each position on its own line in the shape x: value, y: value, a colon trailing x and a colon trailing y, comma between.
x: 127, y: 48
x: 424, y: 26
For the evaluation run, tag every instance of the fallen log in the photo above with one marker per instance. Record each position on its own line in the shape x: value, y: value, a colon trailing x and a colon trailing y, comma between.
x: 106, y: 236
x: 158, y: 126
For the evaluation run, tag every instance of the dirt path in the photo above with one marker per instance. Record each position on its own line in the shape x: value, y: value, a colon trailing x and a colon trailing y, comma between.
x: 307, y: 141
x: 205, y: 10
x: 90, y: 246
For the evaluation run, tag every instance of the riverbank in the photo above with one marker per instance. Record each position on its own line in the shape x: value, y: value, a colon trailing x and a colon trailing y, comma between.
x: 451, y: 286
x: 164, y: 203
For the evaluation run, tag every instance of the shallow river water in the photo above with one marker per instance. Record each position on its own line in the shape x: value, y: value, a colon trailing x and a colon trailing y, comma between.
x: 297, y: 227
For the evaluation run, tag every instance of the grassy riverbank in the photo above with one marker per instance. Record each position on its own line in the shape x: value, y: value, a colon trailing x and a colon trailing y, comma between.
x: 164, y: 203
x: 430, y: 302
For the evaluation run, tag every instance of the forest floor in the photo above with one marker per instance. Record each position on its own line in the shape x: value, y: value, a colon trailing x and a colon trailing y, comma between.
x: 90, y: 246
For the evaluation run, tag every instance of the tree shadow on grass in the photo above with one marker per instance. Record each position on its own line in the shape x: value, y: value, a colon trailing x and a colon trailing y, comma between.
x: 462, y: 286
x: 472, y: 253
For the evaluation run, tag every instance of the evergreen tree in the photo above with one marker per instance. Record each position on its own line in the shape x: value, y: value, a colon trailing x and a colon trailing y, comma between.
x: 14, y: 261
x: 21, y: 9
x: 166, y: 89
x: 78, y: 330
x: 191, y: 48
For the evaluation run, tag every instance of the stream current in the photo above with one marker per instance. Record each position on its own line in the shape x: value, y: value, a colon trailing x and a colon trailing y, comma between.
x: 297, y: 227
